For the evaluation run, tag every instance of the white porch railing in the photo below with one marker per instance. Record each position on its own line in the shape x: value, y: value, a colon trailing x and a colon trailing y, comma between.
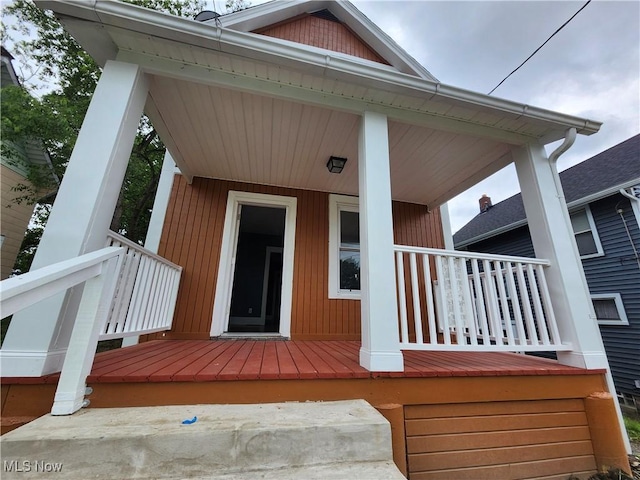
x: 99, y: 272
x: 127, y: 291
x: 451, y: 300
x: 145, y: 298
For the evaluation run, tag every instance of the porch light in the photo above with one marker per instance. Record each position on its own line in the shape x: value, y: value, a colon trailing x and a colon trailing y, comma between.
x: 336, y: 164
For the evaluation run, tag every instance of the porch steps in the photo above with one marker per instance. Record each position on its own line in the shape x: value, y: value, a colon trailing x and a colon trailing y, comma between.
x: 311, y: 440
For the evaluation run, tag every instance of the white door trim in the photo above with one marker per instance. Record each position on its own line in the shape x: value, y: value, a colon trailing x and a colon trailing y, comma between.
x: 224, y: 284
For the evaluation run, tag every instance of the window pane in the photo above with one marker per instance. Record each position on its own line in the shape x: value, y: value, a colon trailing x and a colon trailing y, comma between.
x: 349, y: 270
x: 586, y: 243
x: 580, y: 222
x: 606, y: 309
x: 349, y: 228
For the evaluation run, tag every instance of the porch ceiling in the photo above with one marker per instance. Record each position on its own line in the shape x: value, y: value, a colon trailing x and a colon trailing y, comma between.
x: 217, y: 132
x: 242, y: 106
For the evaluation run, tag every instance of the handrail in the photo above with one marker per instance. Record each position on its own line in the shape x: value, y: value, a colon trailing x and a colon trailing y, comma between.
x: 24, y: 290
x: 99, y: 271
x: 128, y: 243
x: 470, y: 255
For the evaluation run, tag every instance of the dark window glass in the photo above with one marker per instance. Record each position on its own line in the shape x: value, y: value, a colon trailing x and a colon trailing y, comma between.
x: 606, y: 309
x: 349, y: 250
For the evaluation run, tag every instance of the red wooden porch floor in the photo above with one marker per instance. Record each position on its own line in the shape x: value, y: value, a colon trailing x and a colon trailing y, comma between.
x: 217, y: 360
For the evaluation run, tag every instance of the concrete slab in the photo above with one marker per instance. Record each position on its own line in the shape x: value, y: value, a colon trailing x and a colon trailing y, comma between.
x: 152, y: 442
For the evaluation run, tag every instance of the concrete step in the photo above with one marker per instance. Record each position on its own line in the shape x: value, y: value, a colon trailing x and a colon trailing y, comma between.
x: 226, y: 441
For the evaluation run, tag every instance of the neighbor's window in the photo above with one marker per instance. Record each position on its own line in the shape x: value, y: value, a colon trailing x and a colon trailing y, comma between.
x: 609, y: 309
x: 584, y: 229
x: 344, y: 247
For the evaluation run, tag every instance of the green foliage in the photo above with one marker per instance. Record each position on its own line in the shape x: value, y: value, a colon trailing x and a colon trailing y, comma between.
x: 633, y: 428
x: 31, y: 239
x: 54, y: 119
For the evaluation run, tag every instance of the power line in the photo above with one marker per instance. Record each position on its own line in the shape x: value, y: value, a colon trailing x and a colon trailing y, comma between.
x: 537, y: 49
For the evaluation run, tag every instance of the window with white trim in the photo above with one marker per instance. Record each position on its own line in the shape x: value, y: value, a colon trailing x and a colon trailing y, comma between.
x: 609, y: 309
x: 584, y: 229
x: 344, y: 247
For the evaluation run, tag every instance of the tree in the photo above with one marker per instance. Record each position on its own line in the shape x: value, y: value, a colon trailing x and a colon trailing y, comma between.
x: 52, y: 57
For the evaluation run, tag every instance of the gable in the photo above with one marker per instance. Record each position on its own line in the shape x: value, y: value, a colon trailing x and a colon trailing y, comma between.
x: 323, y: 30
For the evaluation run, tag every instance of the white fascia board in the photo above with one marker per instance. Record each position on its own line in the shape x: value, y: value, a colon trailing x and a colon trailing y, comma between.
x: 570, y: 206
x: 276, y: 51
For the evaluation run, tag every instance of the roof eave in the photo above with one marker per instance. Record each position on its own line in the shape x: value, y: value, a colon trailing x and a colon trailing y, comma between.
x: 264, y: 48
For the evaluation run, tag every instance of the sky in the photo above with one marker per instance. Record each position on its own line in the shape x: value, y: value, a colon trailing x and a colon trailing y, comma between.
x: 590, y: 69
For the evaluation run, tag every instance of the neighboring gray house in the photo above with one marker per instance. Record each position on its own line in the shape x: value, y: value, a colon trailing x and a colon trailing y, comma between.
x: 603, y: 196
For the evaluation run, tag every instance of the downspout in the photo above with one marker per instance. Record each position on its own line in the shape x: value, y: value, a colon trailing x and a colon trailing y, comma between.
x: 569, y: 139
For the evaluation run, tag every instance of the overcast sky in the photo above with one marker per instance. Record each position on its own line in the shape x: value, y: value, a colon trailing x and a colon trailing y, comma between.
x: 589, y: 69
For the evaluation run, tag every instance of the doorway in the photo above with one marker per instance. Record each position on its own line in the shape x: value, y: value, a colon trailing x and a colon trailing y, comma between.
x: 257, y: 276
x: 254, y: 288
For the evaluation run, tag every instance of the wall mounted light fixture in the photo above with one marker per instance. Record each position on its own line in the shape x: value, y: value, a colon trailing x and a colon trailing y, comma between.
x: 336, y: 164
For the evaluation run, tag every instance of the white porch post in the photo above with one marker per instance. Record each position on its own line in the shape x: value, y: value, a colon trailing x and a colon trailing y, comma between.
x: 38, y: 336
x: 158, y: 213
x: 553, y: 239
x: 379, y: 305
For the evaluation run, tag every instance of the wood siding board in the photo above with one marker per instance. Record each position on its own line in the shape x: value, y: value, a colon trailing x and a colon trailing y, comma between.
x: 498, y: 456
x: 475, y: 409
x: 491, y: 424
x: 474, y: 441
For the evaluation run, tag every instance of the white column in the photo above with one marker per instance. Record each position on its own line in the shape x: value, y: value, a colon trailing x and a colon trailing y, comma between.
x: 445, y: 219
x: 553, y: 239
x: 158, y: 213
x: 379, y: 305
x: 38, y: 336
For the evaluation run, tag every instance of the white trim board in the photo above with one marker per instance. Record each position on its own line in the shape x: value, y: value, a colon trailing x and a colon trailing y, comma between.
x: 224, y: 284
x: 337, y: 203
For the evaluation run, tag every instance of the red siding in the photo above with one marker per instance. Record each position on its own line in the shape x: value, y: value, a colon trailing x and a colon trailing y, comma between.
x: 322, y: 33
x: 192, y: 237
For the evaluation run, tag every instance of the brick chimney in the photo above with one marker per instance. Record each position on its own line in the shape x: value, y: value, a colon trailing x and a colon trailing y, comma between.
x: 485, y: 203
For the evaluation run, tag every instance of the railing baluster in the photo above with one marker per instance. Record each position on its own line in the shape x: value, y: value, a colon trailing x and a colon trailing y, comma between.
x: 482, y: 314
x: 455, y: 295
x: 515, y: 302
x: 444, y: 314
x: 504, y: 303
x: 535, y: 294
x: 468, y: 304
x: 402, y: 300
x: 431, y: 314
x: 526, y: 305
x: 415, y: 293
x: 494, y: 314
x: 546, y: 300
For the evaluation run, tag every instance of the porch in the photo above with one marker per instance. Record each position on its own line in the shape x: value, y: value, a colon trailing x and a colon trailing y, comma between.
x: 446, y: 408
x: 249, y: 359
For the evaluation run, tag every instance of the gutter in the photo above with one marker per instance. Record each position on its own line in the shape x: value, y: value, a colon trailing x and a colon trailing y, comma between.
x: 122, y: 15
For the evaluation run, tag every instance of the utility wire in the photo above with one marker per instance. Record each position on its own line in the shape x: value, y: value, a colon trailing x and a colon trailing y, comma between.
x: 537, y: 49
